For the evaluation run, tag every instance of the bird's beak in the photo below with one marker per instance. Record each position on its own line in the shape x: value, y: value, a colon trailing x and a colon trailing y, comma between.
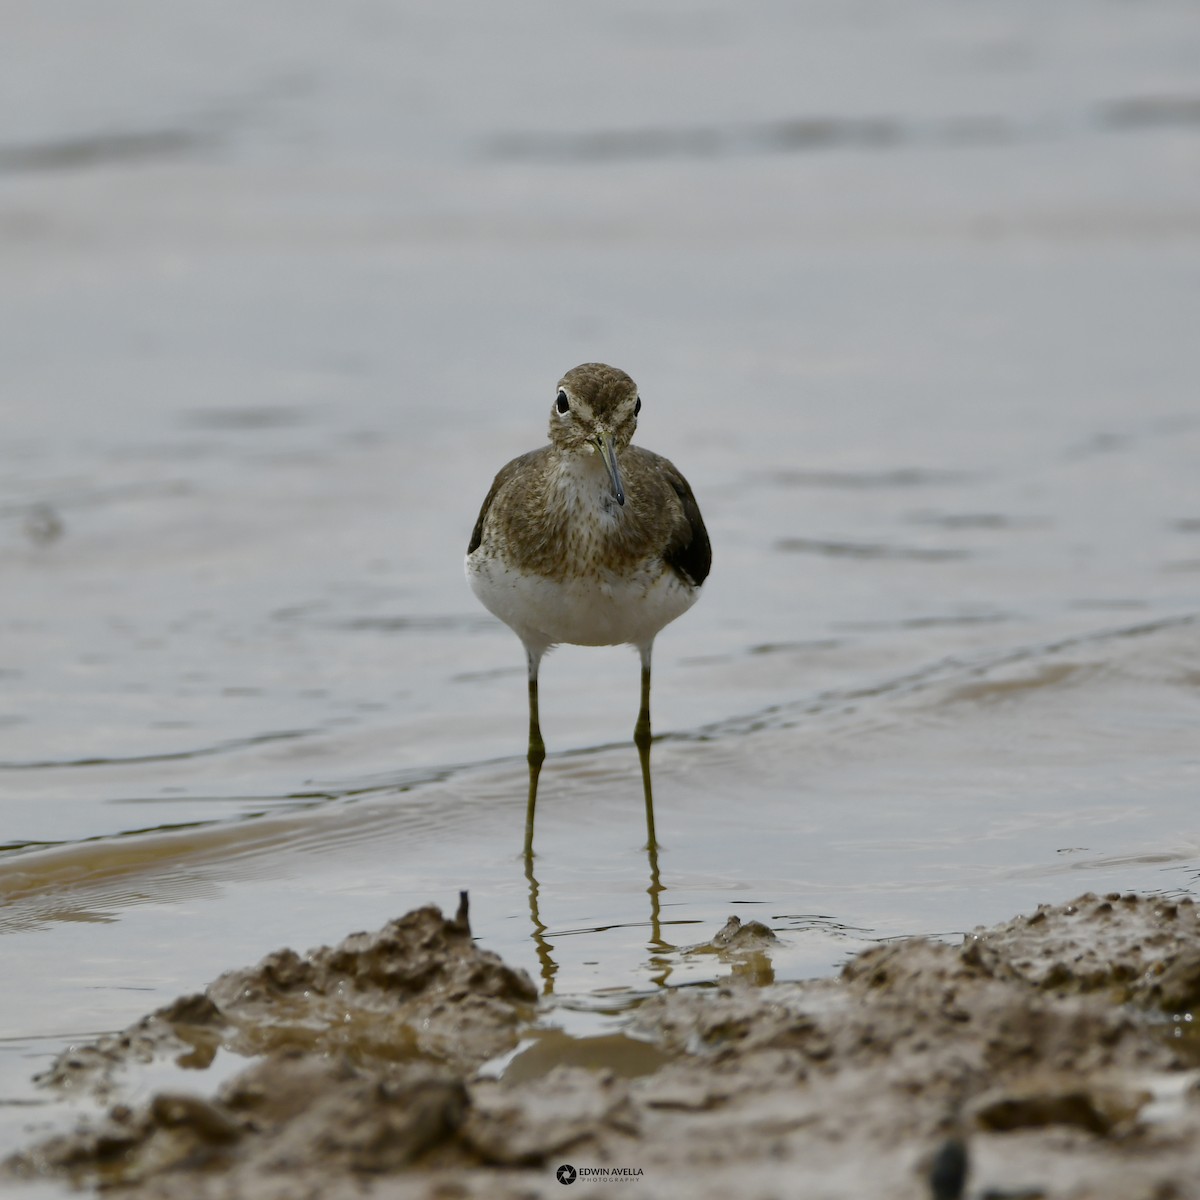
x: 608, y: 451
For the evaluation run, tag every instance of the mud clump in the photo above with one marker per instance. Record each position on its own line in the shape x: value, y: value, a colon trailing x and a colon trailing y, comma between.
x: 419, y: 988
x: 1139, y: 950
x: 1039, y: 1058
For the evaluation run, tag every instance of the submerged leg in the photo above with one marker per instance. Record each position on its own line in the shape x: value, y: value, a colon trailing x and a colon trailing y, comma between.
x: 549, y: 968
x: 648, y: 792
x: 660, y: 949
x: 537, y: 748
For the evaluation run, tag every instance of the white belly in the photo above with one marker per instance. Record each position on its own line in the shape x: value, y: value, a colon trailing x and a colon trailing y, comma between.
x: 543, y: 612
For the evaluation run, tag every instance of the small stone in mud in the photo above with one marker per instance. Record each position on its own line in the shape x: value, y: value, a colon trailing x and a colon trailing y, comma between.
x: 948, y: 1174
x: 736, y: 934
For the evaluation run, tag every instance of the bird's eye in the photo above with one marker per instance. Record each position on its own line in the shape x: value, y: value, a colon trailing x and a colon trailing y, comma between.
x: 562, y: 403
x: 637, y: 408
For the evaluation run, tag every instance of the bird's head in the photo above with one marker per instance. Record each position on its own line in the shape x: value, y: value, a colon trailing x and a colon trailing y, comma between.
x: 595, y: 410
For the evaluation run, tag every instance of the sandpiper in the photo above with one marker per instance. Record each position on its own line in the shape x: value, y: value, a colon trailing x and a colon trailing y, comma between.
x: 589, y: 540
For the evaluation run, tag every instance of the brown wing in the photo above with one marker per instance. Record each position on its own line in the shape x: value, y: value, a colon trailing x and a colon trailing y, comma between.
x: 688, y: 552
x: 503, y: 476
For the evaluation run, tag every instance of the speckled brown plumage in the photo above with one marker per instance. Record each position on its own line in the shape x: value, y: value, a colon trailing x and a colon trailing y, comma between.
x: 525, y: 519
x: 661, y: 520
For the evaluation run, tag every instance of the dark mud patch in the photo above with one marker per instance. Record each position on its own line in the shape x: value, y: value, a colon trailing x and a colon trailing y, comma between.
x: 1039, y: 1057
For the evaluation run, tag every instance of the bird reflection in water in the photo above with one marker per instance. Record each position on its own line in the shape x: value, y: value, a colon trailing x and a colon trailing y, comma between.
x: 661, y: 949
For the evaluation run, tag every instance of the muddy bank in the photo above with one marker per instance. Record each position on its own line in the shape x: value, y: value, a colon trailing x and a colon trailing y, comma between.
x: 1050, y: 1056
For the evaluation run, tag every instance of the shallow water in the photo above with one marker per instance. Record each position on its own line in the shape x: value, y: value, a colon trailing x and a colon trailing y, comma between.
x: 911, y: 304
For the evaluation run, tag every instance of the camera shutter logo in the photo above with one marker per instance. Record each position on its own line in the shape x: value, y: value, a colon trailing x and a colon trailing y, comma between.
x: 566, y: 1173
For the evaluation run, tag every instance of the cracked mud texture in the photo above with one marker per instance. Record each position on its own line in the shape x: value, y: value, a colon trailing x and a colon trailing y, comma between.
x: 1047, y: 1057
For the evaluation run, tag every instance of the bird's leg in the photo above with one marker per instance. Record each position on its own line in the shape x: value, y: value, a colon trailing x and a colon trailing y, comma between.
x: 641, y: 731
x: 537, y: 748
x: 641, y: 739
